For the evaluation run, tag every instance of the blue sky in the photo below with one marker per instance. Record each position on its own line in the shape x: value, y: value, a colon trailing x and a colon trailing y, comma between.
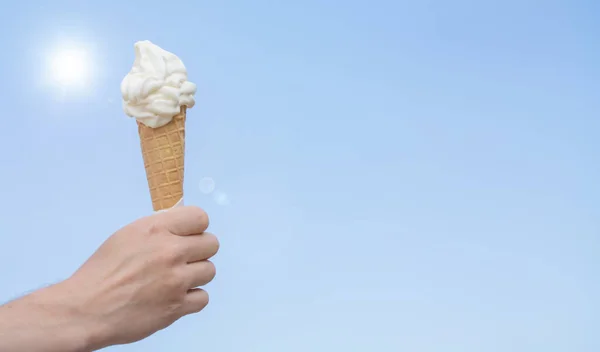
x: 390, y: 175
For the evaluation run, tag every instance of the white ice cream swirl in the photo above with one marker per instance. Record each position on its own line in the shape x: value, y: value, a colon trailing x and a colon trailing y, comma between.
x: 156, y: 87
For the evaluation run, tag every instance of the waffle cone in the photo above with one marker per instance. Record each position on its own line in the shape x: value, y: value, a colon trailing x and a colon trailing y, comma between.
x: 163, y: 151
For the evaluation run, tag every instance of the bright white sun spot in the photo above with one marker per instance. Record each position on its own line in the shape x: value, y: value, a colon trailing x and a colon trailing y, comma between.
x: 70, y: 67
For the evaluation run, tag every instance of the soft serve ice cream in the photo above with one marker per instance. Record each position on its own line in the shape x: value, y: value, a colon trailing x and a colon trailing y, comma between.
x: 156, y: 93
x: 156, y: 87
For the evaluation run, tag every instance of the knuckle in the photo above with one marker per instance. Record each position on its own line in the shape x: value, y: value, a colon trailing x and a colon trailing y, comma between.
x: 203, y: 303
x: 212, y: 243
x: 199, y: 216
x: 174, y: 310
x: 216, y: 243
x: 154, y: 227
x: 172, y: 252
x: 210, y: 270
x: 200, y: 303
x: 176, y: 281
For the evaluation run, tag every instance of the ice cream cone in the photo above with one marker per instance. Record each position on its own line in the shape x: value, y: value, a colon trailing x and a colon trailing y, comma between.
x: 163, y: 150
x: 157, y: 93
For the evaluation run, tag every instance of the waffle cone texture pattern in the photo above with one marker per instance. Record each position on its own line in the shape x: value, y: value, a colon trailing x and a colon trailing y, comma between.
x: 163, y: 150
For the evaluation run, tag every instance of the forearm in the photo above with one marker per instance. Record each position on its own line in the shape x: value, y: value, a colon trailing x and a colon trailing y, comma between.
x: 45, y: 321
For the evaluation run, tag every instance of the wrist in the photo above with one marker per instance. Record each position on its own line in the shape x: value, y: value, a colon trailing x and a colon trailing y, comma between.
x: 85, y: 327
x: 46, y: 320
x: 65, y: 318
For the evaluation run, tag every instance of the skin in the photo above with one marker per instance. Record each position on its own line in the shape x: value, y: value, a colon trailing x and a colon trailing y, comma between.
x: 141, y: 280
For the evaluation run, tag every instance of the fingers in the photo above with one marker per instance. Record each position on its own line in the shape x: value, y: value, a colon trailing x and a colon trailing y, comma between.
x: 199, y: 273
x: 199, y: 247
x: 184, y: 221
x: 195, y: 300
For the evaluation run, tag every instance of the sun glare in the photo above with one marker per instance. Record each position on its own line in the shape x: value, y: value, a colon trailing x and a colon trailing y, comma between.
x: 70, y: 67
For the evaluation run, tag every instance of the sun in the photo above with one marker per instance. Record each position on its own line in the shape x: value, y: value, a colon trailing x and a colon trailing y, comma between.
x: 70, y: 67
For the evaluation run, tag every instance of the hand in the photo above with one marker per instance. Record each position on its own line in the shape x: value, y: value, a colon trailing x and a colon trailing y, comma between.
x: 145, y: 276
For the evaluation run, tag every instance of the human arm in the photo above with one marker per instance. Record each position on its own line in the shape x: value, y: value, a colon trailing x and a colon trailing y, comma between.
x: 47, y: 321
x: 141, y: 280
